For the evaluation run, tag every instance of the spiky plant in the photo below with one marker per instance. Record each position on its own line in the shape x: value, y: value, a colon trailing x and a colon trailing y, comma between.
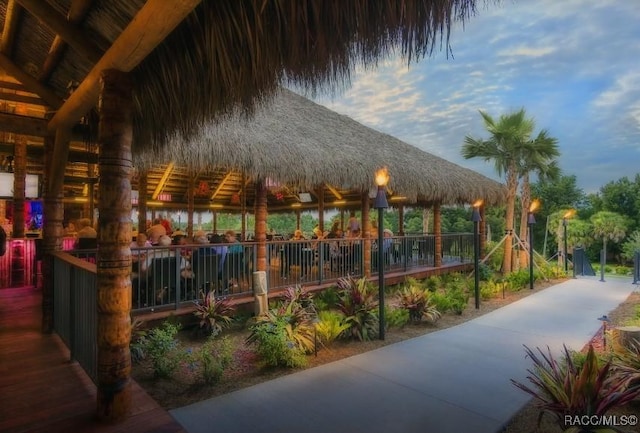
x: 417, y: 301
x: 214, y: 314
x: 565, y: 389
x: 359, y: 304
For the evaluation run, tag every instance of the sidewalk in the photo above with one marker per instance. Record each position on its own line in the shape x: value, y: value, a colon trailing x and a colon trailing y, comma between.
x: 450, y: 381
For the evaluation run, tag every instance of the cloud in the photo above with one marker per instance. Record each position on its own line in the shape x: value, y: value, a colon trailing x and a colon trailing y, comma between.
x: 572, y: 65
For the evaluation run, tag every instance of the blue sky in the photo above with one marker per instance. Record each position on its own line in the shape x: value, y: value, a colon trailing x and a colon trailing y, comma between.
x: 574, y: 65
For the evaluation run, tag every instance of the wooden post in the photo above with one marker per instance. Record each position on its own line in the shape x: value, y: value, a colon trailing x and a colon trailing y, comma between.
x: 297, y: 219
x: 366, y: 235
x: 114, y: 253
x: 214, y: 222
x: 321, y: 208
x: 52, y: 235
x: 143, y: 182
x: 260, y: 229
x: 437, y: 229
x: 190, y: 202
x: 243, y: 209
x: 19, y: 176
x: 400, y: 220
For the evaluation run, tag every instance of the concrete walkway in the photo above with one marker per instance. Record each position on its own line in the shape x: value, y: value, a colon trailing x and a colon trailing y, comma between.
x: 454, y: 380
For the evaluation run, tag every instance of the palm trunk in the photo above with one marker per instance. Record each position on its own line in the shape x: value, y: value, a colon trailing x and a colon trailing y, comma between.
x: 525, y: 196
x: 512, y: 187
x: 114, y: 253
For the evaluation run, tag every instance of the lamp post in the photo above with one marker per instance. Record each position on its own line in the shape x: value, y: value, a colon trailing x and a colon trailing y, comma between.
x: 531, y: 220
x: 382, y: 178
x: 475, y: 217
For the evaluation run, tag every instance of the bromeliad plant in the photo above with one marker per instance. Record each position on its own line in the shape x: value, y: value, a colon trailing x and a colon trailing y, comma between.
x: 417, y: 301
x: 285, y: 333
x: 359, y: 304
x: 564, y: 389
x: 214, y: 314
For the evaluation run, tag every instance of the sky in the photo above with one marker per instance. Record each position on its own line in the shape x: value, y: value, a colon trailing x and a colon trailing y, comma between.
x: 573, y: 65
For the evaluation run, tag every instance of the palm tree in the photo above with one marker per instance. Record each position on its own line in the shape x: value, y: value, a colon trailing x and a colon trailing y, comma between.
x: 504, y: 147
x: 608, y: 226
x: 537, y: 157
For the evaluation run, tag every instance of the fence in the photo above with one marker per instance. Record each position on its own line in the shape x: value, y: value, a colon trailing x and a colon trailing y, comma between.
x: 74, y: 308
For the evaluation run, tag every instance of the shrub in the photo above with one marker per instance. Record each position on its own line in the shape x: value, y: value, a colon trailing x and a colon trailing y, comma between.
x: 622, y: 270
x: 273, y: 344
x: 136, y: 345
x: 517, y: 280
x: 330, y: 326
x: 396, y: 317
x: 489, y: 289
x: 287, y: 332
x: 433, y: 283
x: 484, y: 272
x: 214, y: 314
x: 441, y: 301
x: 327, y: 299
x: 417, y: 302
x: 212, y: 358
x: 566, y: 389
x: 161, y: 346
x: 359, y: 304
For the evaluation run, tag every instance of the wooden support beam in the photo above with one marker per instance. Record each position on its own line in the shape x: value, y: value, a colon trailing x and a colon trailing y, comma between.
x: 10, y: 27
x: 33, y: 126
x: 58, y: 162
x: 9, y: 85
x: 147, y: 30
x: 77, y: 12
x: 14, y: 97
x: 31, y: 84
x: 163, y: 180
x: 334, y: 191
x: 221, y: 185
x: 72, y: 35
x: 37, y: 152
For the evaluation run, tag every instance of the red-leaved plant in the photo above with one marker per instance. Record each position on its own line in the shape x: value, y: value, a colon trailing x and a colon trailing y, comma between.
x: 566, y: 389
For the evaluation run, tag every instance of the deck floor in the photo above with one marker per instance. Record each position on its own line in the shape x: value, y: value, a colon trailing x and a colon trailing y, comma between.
x: 42, y: 391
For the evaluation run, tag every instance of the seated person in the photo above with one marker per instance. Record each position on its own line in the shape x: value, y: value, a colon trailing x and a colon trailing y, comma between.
x: 155, y: 231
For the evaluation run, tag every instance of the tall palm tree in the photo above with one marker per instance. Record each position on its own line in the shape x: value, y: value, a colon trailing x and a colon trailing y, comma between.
x: 508, y: 137
x: 538, y: 157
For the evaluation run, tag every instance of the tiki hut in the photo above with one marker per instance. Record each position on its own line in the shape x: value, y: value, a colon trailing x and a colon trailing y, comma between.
x: 157, y: 68
x: 297, y: 142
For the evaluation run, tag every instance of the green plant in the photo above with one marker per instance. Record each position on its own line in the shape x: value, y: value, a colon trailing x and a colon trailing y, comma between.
x: 214, y: 314
x: 489, y: 289
x: 330, y: 326
x: 396, y: 317
x: 327, y: 299
x: 417, y: 302
x: 212, y: 358
x: 484, y: 272
x: 136, y: 345
x: 433, y: 283
x: 273, y: 344
x: 627, y: 363
x: 565, y: 389
x: 287, y: 330
x: 359, y: 304
x: 441, y: 301
x: 162, y: 347
x: 517, y: 280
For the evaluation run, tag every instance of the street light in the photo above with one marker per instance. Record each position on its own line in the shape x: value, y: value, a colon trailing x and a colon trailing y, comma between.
x: 565, y: 217
x: 475, y: 217
x: 382, y: 178
x: 531, y: 220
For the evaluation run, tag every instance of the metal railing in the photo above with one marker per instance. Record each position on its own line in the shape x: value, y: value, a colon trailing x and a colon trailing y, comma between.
x: 74, y: 309
x: 174, y: 276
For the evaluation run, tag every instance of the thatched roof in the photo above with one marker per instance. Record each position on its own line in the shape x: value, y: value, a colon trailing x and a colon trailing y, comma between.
x: 218, y: 54
x: 297, y: 142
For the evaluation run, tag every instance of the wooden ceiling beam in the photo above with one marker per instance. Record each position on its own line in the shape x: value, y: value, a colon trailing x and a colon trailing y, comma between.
x: 59, y: 24
x: 221, y: 184
x: 8, y: 85
x: 31, y: 84
x: 151, y: 25
x: 77, y: 12
x: 163, y: 180
x: 334, y: 191
x: 33, y: 126
x: 14, y: 97
x: 10, y: 27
